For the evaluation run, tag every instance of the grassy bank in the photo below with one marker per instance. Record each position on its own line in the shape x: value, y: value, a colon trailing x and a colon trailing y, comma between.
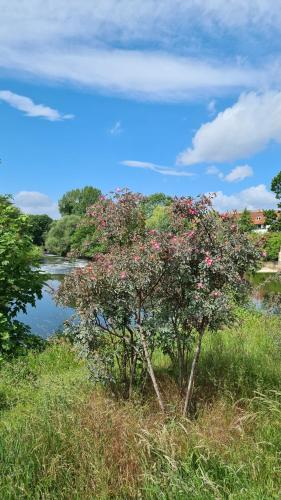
x: 60, y: 438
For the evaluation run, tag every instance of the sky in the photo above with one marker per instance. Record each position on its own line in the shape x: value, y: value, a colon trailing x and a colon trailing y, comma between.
x: 177, y: 96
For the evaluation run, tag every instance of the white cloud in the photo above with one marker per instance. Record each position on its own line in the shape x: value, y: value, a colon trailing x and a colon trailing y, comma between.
x: 238, y: 132
x: 253, y: 198
x: 211, y: 107
x: 26, y: 105
x: 239, y: 173
x: 138, y: 74
x: 33, y: 202
x: 116, y: 129
x: 213, y: 170
x: 156, y: 168
x: 30, y: 20
x: 71, y: 41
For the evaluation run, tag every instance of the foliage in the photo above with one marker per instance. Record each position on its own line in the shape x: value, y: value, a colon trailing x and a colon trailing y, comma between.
x: 160, y: 218
x: 77, y: 201
x: 62, y: 439
x: 39, y: 226
x: 156, y: 288
x: 60, y: 236
x: 276, y: 187
x: 245, y: 221
x: 270, y: 217
x: 85, y: 241
x: 151, y: 202
x: 272, y: 245
x: 20, y: 279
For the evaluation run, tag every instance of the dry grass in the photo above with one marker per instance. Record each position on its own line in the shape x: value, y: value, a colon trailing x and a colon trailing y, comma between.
x: 60, y: 438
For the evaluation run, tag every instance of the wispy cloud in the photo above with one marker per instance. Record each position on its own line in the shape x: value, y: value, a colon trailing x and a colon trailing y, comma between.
x: 70, y: 41
x: 159, y: 169
x: 29, y: 108
x: 116, y: 128
x: 211, y: 107
x: 136, y: 74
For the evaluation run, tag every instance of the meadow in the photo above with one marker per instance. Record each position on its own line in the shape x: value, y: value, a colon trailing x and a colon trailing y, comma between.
x: 61, y: 437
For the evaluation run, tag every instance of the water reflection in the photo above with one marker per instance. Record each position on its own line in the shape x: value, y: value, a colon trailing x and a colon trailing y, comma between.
x: 46, y: 317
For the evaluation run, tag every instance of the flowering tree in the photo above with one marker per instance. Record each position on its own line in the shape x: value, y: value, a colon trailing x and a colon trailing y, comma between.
x: 158, y: 289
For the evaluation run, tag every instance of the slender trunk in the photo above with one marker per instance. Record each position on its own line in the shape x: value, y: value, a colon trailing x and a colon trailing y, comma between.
x: 150, y: 370
x: 192, y: 374
x: 132, y: 374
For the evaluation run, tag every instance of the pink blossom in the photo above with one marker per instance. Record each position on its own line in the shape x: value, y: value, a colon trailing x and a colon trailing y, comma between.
x: 123, y: 275
x: 136, y: 258
x: 215, y: 294
x: 264, y: 254
x: 200, y: 285
x: 208, y: 261
x: 155, y: 245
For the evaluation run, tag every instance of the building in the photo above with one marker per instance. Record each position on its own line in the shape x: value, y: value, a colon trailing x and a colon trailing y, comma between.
x: 258, y: 219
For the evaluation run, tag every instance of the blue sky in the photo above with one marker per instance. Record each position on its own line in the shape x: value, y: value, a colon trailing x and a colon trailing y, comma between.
x: 180, y: 96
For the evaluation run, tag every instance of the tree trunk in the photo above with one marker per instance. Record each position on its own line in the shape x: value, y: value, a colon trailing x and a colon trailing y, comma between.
x: 192, y: 374
x: 150, y: 369
x: 132, y: 374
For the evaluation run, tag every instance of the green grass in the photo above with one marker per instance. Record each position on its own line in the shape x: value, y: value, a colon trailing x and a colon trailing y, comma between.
x: 61, y: 438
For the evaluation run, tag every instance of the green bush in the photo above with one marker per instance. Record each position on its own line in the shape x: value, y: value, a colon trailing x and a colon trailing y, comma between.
x: 273, y: 245
x: 59, y: 238
x: 20, y: 278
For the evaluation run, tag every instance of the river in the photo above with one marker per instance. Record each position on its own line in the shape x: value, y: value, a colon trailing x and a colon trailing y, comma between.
x: 47, y: 317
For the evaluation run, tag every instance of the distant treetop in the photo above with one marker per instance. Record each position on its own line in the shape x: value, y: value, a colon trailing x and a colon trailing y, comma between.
x: 77, y: 201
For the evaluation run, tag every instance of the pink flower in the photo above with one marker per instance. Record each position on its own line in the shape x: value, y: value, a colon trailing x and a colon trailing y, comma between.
x: 208, y: 261
x: 123, y: 275
x: 136, y: 258
x: 155, y: 245
x: 200, y: 285
x: 264, y: 254
x: 215, y: 294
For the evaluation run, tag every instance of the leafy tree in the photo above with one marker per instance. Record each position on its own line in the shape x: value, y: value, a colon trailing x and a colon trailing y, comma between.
x: 20, y: 279
x: 39, y: 225
x: 245, y: 221
x: 270, y: 217
x: 159, y: 219
x: 273, y: 245
x: 59, y: 238
x: 155, y: 200
x: 77, y: 201
x: 152, y: 288
x: 85, y: 241
x: 276, y: 187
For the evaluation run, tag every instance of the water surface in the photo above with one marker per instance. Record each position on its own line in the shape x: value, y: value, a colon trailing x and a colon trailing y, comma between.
x: 47, y: 317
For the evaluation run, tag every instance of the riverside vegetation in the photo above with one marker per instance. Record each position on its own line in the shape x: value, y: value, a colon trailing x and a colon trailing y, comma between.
x: 183, y: 398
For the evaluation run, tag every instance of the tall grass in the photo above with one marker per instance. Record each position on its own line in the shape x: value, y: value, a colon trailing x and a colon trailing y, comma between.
x: 61, y: 438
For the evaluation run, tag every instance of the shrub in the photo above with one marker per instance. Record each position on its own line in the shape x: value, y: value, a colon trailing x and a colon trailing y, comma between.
x: 157, y: 289
x: 20, y: 279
